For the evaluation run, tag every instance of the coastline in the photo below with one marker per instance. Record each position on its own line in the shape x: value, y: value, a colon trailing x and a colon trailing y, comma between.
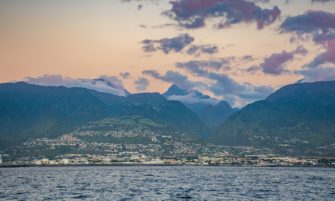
x: 160, y: 165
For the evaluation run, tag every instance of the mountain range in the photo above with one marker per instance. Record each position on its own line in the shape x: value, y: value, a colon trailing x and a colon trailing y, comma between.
x: 28, y: 110
x: 193, y: 99
x: 296, y: 118
x: 210, y: 110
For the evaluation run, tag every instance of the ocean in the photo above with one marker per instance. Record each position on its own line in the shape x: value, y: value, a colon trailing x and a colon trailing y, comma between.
x: 167, y: 183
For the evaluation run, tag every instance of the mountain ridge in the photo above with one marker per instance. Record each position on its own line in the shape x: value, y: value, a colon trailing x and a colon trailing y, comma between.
x: 297, y: 118
x: 28, y: 110
x: 297, y: 115
x: 211, y: 111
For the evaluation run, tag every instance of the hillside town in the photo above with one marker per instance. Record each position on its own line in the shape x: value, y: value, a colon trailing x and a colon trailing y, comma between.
x: 158, y: 150
x: 139, y: 141
x: 133, y: 158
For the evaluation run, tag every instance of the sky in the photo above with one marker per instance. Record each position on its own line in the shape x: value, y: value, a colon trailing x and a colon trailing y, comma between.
x: 236, y: 50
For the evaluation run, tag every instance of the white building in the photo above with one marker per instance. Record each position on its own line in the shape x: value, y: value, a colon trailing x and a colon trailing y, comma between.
x: 64, y: 161
x: 45, y: 161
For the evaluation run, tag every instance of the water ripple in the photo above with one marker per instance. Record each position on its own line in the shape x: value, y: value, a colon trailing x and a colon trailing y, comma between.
x: 167, y: 183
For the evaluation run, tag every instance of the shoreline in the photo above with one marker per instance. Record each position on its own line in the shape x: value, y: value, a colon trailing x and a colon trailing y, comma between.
x: 160, y: 165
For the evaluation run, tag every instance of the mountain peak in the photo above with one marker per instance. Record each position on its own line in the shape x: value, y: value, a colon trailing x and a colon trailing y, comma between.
x: 174, y: 90
x: 224, y: 104
x: 214, y: 115
x: 193, y: 99
x: 302, y: 90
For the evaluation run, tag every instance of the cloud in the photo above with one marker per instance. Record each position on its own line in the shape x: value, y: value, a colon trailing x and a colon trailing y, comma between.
x: 234, y: 92
x: 312, y: 1
x: 230, y: 89
x: 222, y: 85
x: 174, y: 78
x: 141, y: 84
x: 262, y: 1
x: 140, y: 3
x: 188, y: 96
x: 252, y: 69
x: 322, y: 1
x: 311, y: 22
x: 125, y: 75
x: 192, y: 98
x: 167, y: 45
x: 106, y: 84
x: 324, y: 38
x: 275, y: 63
x: 178, y: 44
x: 326, y: 57
x: 198, y: 50
x: 193, y: 14
x: 204, y: 65
x: 318, y: 74
x: 318, y: 25
x: 247, y: 58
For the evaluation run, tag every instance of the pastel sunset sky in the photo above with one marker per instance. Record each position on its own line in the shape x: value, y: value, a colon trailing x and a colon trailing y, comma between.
x: 237, y: 50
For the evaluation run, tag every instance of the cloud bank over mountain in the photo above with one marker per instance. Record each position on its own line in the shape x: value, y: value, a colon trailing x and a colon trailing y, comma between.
x: 106, y: 84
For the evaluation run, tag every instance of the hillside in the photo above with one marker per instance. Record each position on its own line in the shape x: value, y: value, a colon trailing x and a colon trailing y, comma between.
x: 34, y: 111
x: 194, y: 100
x: 30, y: 111
x: 296, y: 117
x: 154, y: 106
x: 211, y: 111
x: 214, y: 115
x: 123, y: 136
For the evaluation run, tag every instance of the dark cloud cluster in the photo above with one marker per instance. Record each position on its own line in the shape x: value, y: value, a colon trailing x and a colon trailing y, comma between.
x: 222, y: 85
x: 204, y: 65
x: 318, y: 25
x: 247, y: 58
x: 262, y: 1
x: 193, y: 14
x: 219, y: 83
x: 167, y: 45
x: 312, y: 1
x: 311, y: 22
x: 325, y: 57
x: 197, y: 50
x: 125, y: 75
x: 233, y: 91
x: 324, y: 38
x: 178, y: 44
x: 322, y: 1
x: 140, y: 3
x: 275, y: 63
x: 141, y: 84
